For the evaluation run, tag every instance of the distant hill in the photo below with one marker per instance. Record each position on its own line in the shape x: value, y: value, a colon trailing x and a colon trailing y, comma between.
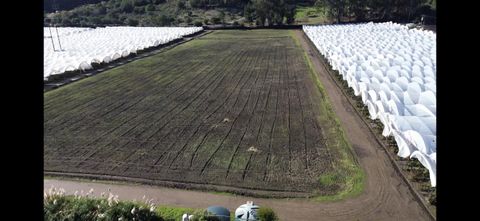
x: 170, y: 12
x: 61, y: 5
x: 242, y: 12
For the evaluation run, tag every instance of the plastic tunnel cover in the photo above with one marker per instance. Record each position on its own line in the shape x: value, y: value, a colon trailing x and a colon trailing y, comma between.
x: 393, y: 69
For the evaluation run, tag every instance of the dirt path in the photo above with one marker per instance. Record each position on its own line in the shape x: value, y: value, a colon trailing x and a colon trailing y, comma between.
x: 386, y: 196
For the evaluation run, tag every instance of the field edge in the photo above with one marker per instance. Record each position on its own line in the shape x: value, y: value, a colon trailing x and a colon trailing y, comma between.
x: 348, y: 167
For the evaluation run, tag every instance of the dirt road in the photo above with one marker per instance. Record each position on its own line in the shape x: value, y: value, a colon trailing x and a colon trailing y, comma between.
x: 386, y: 196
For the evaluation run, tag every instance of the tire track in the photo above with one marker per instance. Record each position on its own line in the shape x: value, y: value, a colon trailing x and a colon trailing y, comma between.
x: 205, y: 80
x: 207, y: 163
x: 198, y: 95
x: 204, y: 119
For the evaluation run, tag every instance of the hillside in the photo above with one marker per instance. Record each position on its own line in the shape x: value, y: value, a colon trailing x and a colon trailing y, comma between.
x: 62, y: 5
x: 149, y: 13
x: 236, y: 12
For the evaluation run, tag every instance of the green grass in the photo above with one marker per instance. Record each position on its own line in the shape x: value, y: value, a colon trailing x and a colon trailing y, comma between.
x: 309, y: 15
x: 260, y: 34
x: 347, y: 170
x: 329, y: 179
x: 222, y: 193
x: 174, y: 213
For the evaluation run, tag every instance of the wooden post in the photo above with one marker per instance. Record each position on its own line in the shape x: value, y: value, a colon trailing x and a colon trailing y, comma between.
x: 51, y: 37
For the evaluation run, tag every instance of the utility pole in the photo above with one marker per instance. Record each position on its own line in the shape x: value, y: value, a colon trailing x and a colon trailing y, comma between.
x: 55, y: 8
x: 51, y: 37
x: 58, y: 37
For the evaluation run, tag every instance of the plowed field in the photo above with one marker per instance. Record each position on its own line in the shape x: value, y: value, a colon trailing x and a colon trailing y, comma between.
x: 237, y: 109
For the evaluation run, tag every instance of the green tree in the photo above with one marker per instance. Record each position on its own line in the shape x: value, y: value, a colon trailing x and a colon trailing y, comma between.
x: 126, y: 6
x: 131, y: 22
x: 180, y: 4
x: 198, y: 3
x: 278, y: 11
x: 363, y: 10
x: 100, y: 10
x: 150, y: 7
x: 162, y: 20
x: 357, y: 8
x: 290, y: 13
x: 221, y: 16
x: 269, y: 12
x: 249, y: 12
x: 95, y: 21
x: 263, y: 11
x: 335, y: 8
x: 140, y: 2
x: 216, y: 20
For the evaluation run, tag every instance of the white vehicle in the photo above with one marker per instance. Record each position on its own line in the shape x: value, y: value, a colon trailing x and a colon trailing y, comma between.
x: 247, y: 211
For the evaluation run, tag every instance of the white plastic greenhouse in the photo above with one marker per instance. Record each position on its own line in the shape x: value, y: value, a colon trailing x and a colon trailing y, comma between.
x: 393, y: 69
x: 69, y: 49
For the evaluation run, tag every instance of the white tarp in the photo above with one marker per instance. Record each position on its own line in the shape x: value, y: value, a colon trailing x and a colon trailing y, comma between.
x: 83, y: 46
x: 393, y: 69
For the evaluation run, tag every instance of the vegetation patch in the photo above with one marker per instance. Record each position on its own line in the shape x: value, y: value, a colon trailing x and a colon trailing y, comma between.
x: 84, y: 206
x: 347, y: 175
x: 267, y: 214
x: 310, y: 15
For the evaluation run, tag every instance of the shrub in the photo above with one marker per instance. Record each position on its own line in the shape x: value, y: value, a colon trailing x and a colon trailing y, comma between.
x: 126, y: 6
x: 216, y: 20
x: 266, y: 214
x: 181, y: 4
x: 150, y: 7
x: 58, y: 206
x: 197, y: 23
x: 140, y: 2
x: 197, y: 3
x: 139, y: 10
x: 433, y: 199
x: 162, y: 20
x: 131, y: 22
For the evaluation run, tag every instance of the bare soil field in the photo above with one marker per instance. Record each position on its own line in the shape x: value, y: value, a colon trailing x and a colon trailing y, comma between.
x: 233, y: 108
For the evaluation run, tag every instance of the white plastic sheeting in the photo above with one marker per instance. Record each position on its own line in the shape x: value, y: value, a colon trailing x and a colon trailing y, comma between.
x: 84, y: 46
x: 62, y: 31
x: 393, y: 69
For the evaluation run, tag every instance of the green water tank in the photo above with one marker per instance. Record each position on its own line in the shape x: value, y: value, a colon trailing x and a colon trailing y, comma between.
x: 222, y: 213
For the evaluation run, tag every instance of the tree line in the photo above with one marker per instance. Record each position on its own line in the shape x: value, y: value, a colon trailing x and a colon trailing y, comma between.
x: 165, y: 13
x: 53, y: 5
x: 377, y: 10
x: 259, y: 12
